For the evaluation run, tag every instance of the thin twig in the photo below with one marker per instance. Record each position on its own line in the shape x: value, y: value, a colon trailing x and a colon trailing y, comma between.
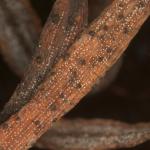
x: 99, y: 47
x: 67, y: 19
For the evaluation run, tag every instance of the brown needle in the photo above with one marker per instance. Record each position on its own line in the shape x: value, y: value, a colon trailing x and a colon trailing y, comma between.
x: 94, y: 134
x: 98, y: 47
x: 66, y: 21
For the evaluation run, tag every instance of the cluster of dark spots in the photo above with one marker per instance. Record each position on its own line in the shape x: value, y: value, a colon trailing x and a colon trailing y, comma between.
x: 120, y: 16
x: 106, y: 37
x: 121, y: 4
x: 37, y: 122
x: 4, y: 126
x: 101, y: 37
x: 55, y: 17
x: 91, y: 33
x: 65, y: 55
x: 81, y: 61
x: 39, y: 77
x: 63, y: 97
x: 73, y: 80
x: 95, y: 60
x: 141, y: 4
x: 53, y: 107
x: 73, y: 77
x: 39, y: 125
x: 77, y: 85
x: 125, y: 30
x: 108, y: 49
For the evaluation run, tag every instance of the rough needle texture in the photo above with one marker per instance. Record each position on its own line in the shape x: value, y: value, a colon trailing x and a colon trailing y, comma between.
x: 67, y: 19
x: 95, y: 134
x: 19, y: 31
x: 99, y: 46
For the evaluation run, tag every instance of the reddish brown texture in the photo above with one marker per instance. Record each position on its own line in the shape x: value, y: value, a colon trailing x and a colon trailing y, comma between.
x: 100, y: 46
x: 67, y: 19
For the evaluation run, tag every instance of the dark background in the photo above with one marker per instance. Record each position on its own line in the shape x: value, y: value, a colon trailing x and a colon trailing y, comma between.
x: 126, y: 99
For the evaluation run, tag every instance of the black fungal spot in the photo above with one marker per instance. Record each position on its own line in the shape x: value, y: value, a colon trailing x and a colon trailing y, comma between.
x: 65, y: 55
x: 73, y: 80
x: 121, y: 5
x: 82, y: 61
x: 125, y: 30
x: 53, y: 107
x: 39, y: 125
x: 55, y: 18
x: 39, y: 77
x: 120, y: 16
x: 91, y: 33
x: 73, y: 77
x: 108, y: 49
x: 78, y: 85
x: 95, y: 60
x: 37, y: 122
x: 102, y: 37
x: 100, y: 59
x: 141, y: 4
x: 61, y: 95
